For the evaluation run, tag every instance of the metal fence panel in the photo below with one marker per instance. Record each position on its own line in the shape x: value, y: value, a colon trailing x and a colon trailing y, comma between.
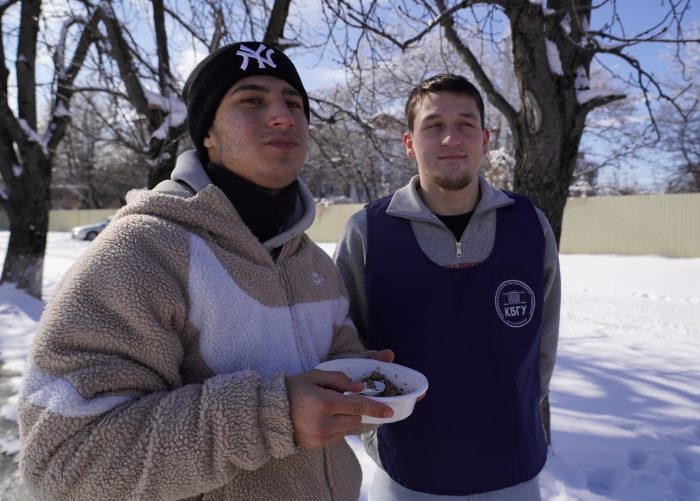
x: 666, y: 225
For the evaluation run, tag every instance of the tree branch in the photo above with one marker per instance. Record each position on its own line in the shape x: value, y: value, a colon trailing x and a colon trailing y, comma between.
x: 276, y: 23
x: 498, y: 100
x: 599, y: 101
x: 26, y: 61
x: 121, y: 53
x: 367, y: 129
x: 11, y: 131
x: 165, y: 79
x: 66, y: 76
x: 185, y: 25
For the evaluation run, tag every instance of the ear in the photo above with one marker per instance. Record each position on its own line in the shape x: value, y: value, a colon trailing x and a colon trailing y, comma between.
x: 408, y: 142
x: 485, y: 144
x: 208, y: 141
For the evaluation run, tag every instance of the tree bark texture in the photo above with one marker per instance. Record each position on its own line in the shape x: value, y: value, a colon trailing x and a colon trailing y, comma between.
x: 161, y: 151
x: 26, y: 155
x: 28, y: 211
x: 28, y: 201
x: 550, y: 123
x: 277, y: 22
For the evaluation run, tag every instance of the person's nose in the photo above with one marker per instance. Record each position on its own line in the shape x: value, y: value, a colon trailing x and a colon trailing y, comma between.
x: 451, y: 137
x: 280, y: 114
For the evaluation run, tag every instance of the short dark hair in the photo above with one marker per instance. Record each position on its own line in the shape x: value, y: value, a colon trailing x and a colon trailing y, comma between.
x: 444, y: 82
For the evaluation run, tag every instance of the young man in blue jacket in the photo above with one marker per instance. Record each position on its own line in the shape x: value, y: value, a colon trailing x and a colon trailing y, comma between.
x: 462, y: 281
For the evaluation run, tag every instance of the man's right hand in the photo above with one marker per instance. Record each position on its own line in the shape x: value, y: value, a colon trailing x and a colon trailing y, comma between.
x: 321, y: 414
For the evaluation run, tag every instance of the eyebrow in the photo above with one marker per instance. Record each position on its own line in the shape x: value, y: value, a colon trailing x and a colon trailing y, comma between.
x: 286, y: 91
x: 438, y: 116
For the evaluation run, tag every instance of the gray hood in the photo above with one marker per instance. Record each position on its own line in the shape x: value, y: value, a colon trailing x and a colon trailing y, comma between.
x: 189, y: 170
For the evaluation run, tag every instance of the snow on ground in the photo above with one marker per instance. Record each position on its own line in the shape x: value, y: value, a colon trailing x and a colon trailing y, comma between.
x: 625, y: 395
x: 626, y: 389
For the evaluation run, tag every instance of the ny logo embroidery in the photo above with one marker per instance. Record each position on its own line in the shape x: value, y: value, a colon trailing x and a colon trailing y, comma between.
x: 247, y: 53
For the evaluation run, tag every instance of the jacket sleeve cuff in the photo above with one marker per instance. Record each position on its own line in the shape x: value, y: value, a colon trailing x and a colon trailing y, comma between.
x: 275, y: 417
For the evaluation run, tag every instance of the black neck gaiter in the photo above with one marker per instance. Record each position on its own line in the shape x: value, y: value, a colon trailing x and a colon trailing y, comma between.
x: 263, y: 211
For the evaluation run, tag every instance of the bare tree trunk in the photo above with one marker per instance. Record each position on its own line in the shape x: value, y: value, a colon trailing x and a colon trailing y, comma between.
x: 549, y: 126
x: 547, y: 129
x: 27, y: 205
x: 28, y: 211
x: 28, y: 174
x: 543, y: 172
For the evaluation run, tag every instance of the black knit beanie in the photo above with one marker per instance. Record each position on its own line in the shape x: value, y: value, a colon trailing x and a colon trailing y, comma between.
x: 215, y: 75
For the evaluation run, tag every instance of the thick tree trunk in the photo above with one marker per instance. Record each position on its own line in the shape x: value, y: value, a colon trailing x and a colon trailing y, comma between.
x: 25, y: 154
x: 543, y: 171
x: 541, y: 122
x: 28, y: 211
x: 28, y: 175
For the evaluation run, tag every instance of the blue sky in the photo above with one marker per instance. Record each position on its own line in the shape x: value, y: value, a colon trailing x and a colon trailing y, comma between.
x: 637, y: 16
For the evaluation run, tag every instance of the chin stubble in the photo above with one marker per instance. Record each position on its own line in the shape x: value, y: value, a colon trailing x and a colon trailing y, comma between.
x: 452, y: 184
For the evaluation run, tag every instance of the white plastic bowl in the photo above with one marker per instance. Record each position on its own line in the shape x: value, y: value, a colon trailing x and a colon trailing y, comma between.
x: 413, y: 383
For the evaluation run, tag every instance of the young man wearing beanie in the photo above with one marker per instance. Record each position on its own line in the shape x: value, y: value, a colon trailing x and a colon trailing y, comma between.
x: 175, y: 360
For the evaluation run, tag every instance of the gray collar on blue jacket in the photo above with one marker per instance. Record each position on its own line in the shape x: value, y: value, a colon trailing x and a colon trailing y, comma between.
x: 189, y: 170
x: 407, y: 203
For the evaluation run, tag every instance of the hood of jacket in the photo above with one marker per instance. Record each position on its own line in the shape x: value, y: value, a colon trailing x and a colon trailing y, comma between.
x: 190, y: 199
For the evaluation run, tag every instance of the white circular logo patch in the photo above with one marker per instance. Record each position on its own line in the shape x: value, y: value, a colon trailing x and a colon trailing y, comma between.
x: 515, y: 303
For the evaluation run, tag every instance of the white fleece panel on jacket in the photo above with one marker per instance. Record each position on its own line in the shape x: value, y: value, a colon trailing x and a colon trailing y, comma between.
x: 238, y: 332
x: 60, y: 397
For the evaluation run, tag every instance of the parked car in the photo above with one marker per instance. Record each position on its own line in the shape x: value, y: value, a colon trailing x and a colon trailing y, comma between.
x: 89, y: 231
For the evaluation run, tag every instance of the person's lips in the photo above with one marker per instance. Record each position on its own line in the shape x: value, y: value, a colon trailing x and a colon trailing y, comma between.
x: 452, y: 156
x: 283, y: 142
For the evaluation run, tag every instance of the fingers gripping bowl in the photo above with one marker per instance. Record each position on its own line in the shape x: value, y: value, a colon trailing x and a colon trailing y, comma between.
x: 410, y: 382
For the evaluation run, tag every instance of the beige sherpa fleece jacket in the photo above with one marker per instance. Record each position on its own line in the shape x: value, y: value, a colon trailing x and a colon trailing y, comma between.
x: 158, y: 369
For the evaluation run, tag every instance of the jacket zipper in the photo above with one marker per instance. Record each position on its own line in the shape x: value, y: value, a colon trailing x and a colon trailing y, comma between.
x: 299, y: 340
x: 459, y: 248
x: 325, y: 452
